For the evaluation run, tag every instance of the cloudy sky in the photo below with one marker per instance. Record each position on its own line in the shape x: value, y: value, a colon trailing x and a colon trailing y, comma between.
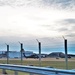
x: 45, y: 20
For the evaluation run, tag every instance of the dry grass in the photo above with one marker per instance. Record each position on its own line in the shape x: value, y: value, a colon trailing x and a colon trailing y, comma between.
x: 53, y: 62
x: 57, y: 63
x: 43, y: 59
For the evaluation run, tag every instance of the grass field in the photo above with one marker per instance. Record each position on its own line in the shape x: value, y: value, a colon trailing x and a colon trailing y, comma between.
x: 45, y: 62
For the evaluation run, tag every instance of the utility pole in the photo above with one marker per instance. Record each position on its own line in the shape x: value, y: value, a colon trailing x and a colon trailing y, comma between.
x: 21, y: 45
x: 39, y: 47
x: 66, y: 55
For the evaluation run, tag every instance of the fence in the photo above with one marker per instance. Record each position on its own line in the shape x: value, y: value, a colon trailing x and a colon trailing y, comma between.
x: 36, y: 70
x: 57, y: 48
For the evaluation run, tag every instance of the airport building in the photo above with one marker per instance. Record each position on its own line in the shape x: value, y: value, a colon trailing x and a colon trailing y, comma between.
x: 15, y: 54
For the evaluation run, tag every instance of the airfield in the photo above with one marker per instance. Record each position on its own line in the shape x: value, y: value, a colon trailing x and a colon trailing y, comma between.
x: 45, y: 62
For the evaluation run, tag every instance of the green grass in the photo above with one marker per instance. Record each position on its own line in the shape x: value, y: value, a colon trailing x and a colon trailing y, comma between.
x: 55, y: 64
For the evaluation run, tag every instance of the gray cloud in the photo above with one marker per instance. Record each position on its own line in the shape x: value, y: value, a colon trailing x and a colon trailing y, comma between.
x: 6, y: 2
x: 45, y: 25
x: 63, y: 29
x: 70, y: 21
x: 19, y: 2
x: 67, y: 26
x: 60, y: 3
x: 44, y: 3
x: 73, y: 27
x: 71, y: 34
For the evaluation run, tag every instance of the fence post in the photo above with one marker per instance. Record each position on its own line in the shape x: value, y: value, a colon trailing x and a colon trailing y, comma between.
x: 39, y: 47
x: 66, y: 56
x: 16, y: 73
x: 21, y: 44
x: 4, y: 72
x: 39, y: 53
x: 21, y: 54
x: 31, y: 73
x: 7, y: 54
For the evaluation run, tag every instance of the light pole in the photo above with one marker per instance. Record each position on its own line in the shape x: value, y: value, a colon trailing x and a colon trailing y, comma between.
x: 66, y: 55
x: 21, y: 47
x: 39, y: 47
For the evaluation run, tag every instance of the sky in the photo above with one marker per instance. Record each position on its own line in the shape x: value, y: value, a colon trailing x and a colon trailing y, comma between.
x: 46, y: 20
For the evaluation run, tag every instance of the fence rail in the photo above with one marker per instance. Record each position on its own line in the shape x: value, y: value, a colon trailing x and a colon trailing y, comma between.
x: 36, y: 70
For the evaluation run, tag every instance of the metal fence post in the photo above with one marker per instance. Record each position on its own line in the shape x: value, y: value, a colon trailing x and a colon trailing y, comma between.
x: 39, y: 47
x: 21, y: 44
x: 4, y: 72
x: 16, y: 73
x: 21, y: 54
x: 7, y: 54
x: 66, y: 56
x: 31, y: 73
x: 39, y: 53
